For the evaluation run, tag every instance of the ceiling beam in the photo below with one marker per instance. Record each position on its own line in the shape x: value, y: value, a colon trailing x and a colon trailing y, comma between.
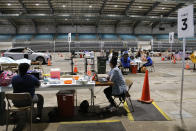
x: 51, y: 8
x: 26, y: 11
x: 178, y: 6
x: 125, y: 11
x: 103, y: 6
x: 101, y: 11
x: 128, y: 6
x: 145, y: 14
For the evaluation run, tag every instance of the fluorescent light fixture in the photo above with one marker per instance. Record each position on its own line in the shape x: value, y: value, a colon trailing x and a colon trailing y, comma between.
x: 90, y: 6
x: 140, y: 7
x: 66, y: 19
x: 37, y: 4
x: 163, y: 8
x: 115, y: 5
x: 64, y: 6
x: 9, y: 4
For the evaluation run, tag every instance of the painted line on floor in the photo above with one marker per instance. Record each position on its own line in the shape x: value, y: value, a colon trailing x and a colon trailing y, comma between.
x: 161, y: 111
x: 86, y: 122
x: 130, y: 116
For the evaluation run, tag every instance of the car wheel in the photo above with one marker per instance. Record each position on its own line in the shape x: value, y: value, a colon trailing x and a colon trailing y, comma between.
x: 41, y: 60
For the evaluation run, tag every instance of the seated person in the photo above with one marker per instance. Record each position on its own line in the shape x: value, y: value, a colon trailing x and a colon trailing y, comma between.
x: 125, y: 61
x: 149, y: 62
x: 118, y: 88
x: 24, y: 82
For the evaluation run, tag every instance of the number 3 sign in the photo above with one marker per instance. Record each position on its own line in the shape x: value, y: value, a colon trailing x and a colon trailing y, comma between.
x: 185, y: 22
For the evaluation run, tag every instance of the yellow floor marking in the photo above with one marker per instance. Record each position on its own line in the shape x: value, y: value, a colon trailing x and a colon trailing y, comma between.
x: 130, y: 116
x: 163, y: 113
x: 86, y: 122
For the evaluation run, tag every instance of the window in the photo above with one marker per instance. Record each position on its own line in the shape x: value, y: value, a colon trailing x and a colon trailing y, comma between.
x: 17, y: 50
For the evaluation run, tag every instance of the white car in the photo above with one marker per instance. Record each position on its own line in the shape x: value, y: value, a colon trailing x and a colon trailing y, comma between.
x: 22, y: 52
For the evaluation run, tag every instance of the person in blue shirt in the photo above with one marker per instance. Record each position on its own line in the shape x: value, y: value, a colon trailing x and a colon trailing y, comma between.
x: 125, y: 61
x: 24, y: 82
x: 118, y: 88
x: 148, y: 63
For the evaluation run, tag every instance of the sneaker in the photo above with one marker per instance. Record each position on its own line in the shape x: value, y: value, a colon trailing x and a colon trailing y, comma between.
x: 37, y: 119
x: 112, y: 109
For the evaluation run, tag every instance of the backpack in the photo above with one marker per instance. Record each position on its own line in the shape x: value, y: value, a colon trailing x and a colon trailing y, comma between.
x: 5, y: 78
x: 84, y: 106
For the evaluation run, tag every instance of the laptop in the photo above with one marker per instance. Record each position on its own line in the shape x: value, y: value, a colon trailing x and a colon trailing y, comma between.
x: 102, y: 79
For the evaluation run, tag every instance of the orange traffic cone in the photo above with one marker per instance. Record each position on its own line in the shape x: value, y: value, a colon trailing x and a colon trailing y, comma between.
x: 187, y: 67
x: 49, y: 62
x: 146, y: 90
x: 75, y: 69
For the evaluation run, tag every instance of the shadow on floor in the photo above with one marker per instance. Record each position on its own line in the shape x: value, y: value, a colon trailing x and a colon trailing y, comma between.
x: 22, y: 121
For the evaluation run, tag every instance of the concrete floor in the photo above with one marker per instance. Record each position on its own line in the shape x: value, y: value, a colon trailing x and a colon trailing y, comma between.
x: 165, y: 86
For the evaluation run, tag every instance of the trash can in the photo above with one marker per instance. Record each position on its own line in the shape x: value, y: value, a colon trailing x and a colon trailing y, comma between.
x: 134, y: 69
x: 101, y: 65
x: 2, y: 108
x: 65, y: 100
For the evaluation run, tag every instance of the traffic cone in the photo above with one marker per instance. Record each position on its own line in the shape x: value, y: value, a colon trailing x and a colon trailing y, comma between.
x: 187, y: 67
x: 49, y: 62
x: 75, y: 69
x: 146, y: 91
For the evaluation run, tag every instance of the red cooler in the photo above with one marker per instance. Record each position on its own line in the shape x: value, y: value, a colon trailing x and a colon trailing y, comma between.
x: 134, y: 69
x: 65, y: 99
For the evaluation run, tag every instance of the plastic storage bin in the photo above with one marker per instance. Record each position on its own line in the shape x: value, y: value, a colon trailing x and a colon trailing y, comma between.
x: 134, y: 69
x: 55, y: 73
x: 65, y: 100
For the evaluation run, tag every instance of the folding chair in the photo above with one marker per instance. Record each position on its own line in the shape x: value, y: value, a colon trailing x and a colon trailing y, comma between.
x: 10, y: 97
x: 126, y: 95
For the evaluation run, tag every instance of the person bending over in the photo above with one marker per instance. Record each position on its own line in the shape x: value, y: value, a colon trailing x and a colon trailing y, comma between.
x: 24, y: 82
x: 118, y: 88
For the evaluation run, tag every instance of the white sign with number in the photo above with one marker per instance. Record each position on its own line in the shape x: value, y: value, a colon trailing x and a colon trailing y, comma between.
x: 185, y: 22
x: 171, y: 37
x: 69, y: 37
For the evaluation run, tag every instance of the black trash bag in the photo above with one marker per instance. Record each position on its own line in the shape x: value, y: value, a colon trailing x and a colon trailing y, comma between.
x: 53, y: 115
x: 84, y: 106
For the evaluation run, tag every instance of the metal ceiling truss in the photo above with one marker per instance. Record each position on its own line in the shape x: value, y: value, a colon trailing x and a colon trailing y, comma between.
x: 101, y: 11
x: 178, y: 6
x: 26, y: 11
x: 145, y: 14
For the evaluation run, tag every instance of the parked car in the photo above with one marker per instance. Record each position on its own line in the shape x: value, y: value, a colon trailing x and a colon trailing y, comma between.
x: 22, y: 52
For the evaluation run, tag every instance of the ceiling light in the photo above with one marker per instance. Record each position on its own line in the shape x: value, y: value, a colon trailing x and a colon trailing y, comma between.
x: 66, y: 19
x: 163, y: 8
x: 37, y: 4
x: 115, y: 5
x: 90, y: 6
x: 64, y: 6
x: 140, y: 7
x: 87, y: 19
x: 9, y: 4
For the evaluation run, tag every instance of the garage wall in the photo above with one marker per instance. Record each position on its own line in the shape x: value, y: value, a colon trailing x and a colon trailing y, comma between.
x: 29, y: 29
